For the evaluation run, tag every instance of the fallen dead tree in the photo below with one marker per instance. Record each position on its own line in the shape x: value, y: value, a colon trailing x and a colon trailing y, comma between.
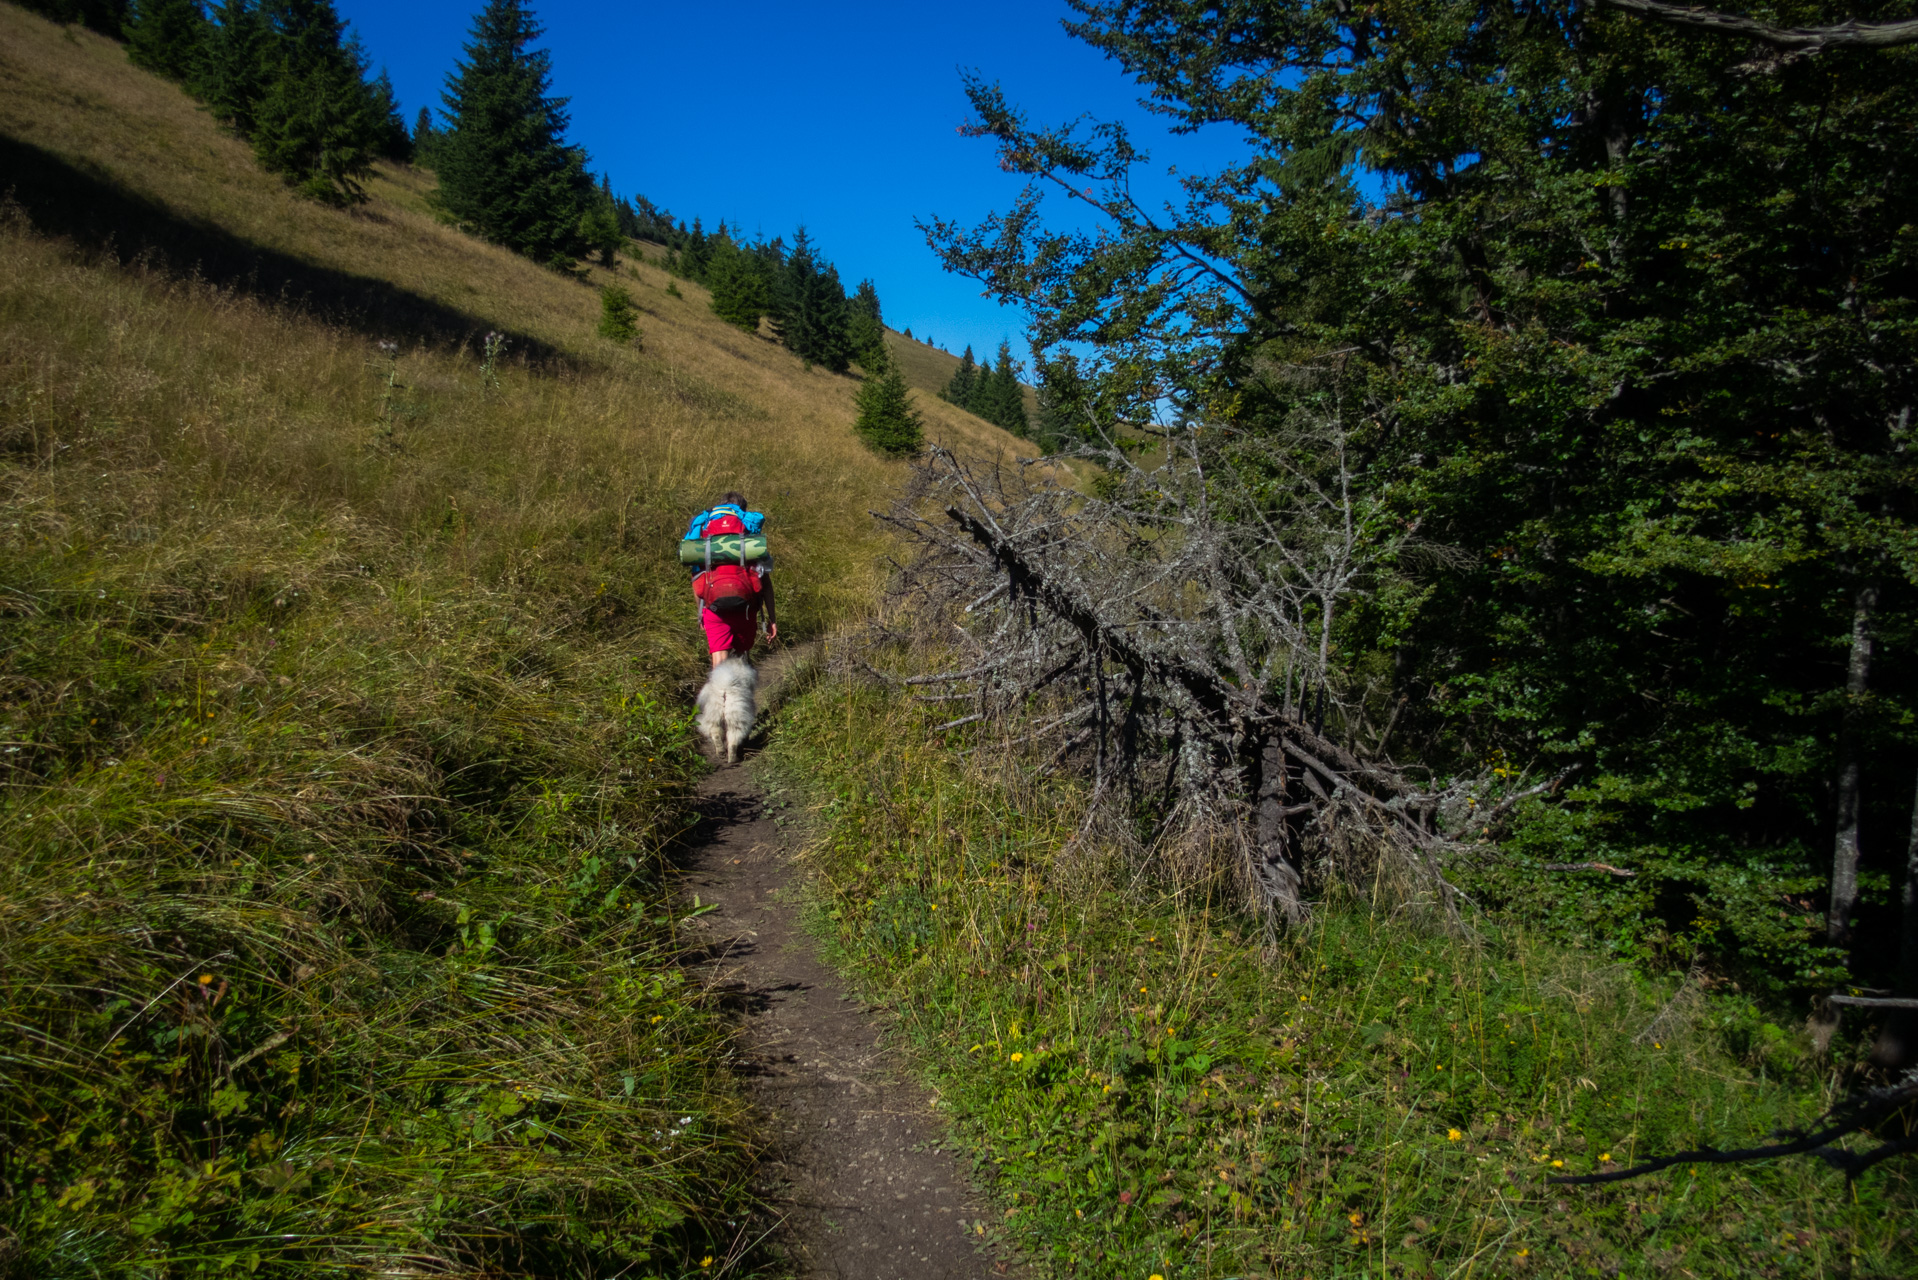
x: 1173, y: 634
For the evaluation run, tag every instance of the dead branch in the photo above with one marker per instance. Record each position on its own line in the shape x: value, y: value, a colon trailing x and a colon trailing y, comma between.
x: 1850, y: 33
x: 1179, y: 620
x: 1864, y: 1110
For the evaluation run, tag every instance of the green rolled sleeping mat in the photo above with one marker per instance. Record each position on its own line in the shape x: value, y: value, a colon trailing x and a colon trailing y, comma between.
x: 727, y: 548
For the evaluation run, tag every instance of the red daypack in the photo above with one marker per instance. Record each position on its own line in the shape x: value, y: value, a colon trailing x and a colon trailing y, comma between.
x: 727, y: 587
x: 724, y: 588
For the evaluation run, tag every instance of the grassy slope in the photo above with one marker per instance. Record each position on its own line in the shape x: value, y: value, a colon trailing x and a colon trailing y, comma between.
x: 1150, y: 1091
x: 341, y: 695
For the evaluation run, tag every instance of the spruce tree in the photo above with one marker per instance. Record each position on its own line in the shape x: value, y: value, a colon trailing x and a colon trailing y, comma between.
x: 504, y: 167
x: 696, y: 254
x: 737, y: 277
x: 617, y: 318
x: 599, y: 225
x: 317, y: 123
x: 425, y: 138
x: 887, y: 422
x: 166, y: 37
x: 1063, y: 393
x: 999, y: 398
x: 233, y: 76
x: 393, y: 142
x: 813, y: 311
x: 866, y: 331
x: 964, y: 379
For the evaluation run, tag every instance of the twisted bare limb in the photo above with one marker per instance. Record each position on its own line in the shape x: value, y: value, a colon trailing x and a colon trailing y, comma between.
x: 1847, y: 34
x: 1174, y: 625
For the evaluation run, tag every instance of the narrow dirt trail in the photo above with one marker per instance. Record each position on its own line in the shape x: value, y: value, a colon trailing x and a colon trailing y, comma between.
x: 869, y: 1190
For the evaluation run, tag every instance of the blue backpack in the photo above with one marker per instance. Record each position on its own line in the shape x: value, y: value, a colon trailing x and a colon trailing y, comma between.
x: 753, y: 520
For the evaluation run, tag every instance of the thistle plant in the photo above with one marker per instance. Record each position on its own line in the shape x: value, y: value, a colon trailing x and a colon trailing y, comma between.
x: 489, y: 367
x: 383, y: 429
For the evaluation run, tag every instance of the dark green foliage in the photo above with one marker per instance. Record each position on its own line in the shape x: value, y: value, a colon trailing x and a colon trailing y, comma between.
x: 998, y: 396
x: 166, y: 37
x: 1630, y: 345
x: 505, y: 170
x: 108, y: 17
x: 617, y: 318
x: 964, y: 379
x: 425, y: 138
x: 392, y: 142
x: 865, y: 327
x: 813, y: 313
x: 992, y: 391
x: 289, y: 78
x: 1063, y: 420
x: 693, y: 253
x: 641, y: 219
x: 741, y: 283
x: 233, y: 74
x: 887, y: 421
x: 599, y: 225
x: 318, y: 123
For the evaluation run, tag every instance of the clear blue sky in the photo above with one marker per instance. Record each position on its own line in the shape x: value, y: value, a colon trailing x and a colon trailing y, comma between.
x: 840, y: 116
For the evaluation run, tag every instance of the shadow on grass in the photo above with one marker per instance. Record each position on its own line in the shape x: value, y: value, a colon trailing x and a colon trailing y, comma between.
x: 103, y: 217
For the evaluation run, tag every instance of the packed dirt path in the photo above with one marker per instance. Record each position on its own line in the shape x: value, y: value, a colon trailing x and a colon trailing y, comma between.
x: 868, y: 1189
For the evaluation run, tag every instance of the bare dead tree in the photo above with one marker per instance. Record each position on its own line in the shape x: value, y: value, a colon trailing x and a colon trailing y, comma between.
x: 1174, y: 631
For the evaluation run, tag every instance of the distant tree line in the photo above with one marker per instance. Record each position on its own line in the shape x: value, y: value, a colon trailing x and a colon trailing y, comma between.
x: 108, y: 17
x: 290, y: 77
x: 795, y: 288
x: 991, y: 390
x: 287, y: 75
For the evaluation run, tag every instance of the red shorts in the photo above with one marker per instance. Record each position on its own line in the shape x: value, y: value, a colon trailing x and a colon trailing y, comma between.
x: 733, y: 630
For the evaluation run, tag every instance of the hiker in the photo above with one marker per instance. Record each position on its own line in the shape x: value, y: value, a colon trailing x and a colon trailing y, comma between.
x: 731, y: 591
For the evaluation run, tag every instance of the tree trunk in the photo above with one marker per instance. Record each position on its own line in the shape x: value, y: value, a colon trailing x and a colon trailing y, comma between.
x: 1278, y: 879
x: 1908, y: 940
x: 1844, y: 856
x: 1844, y: 851
x: 1897, y: 1046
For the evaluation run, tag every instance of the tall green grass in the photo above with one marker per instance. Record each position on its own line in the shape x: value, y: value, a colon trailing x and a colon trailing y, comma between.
x: 1149, y: 1090
x: 342, y: 731
x: 332, y: 923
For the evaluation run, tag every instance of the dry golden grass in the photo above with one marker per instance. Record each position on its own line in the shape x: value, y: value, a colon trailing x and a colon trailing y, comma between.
x: 930, y: 370
x: 617, y: 434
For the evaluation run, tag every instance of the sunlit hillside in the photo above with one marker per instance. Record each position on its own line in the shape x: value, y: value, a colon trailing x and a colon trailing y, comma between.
x: 343, y: 674
x: 930, y: 369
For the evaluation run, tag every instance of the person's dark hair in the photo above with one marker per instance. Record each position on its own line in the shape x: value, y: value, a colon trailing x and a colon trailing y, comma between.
x: 732, y: 499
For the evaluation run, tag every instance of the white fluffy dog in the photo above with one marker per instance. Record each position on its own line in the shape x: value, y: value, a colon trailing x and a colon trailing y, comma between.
x: 726, y: 707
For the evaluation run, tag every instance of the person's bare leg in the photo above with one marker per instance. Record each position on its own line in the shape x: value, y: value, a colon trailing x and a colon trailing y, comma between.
x: 720, y: 655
